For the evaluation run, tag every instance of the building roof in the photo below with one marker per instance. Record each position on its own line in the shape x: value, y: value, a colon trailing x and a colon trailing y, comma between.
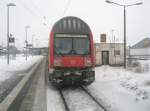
x: 145, y: 43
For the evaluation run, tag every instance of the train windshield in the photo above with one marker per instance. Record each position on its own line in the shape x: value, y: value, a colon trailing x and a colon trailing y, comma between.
x: 72, y: 45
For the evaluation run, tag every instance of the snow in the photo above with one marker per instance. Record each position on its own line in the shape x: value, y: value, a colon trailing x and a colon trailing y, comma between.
x: 124, y: 89
x: 141, y: 66
x: 78, y: 100
x: 117, y: 88
x: 54, y: 101
x: 18, y: 64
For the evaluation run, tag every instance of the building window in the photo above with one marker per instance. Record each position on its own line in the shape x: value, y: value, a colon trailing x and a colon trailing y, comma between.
x: 116, y: 52
x: 97, y: 47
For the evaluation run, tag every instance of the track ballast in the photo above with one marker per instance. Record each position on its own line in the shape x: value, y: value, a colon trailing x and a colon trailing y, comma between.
x: 87, y: 93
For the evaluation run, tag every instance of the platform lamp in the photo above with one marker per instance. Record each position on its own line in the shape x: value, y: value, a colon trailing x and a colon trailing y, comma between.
x: 8, y: 5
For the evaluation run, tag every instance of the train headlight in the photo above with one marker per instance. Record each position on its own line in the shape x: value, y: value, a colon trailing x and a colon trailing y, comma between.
x: 87, y: 61
x: 57, y: 61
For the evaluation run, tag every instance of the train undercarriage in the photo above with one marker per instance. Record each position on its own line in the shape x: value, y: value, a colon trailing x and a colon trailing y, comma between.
x: 66, y: 77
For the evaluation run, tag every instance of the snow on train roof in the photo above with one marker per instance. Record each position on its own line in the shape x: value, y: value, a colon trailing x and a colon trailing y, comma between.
x: 71, y: 25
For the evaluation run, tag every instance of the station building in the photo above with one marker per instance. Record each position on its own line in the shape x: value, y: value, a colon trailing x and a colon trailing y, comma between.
x: 109, y: 53
x: 140, y: 50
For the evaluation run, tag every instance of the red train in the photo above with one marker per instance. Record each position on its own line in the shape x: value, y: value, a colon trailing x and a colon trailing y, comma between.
x: 71, y: 53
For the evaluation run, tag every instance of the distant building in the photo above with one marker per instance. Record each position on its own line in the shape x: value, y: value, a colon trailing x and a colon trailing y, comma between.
x: 3, y: 50
x: 141, y: 50
x: 13, y: 50
x: 38, y: 51
x: 109, y: 53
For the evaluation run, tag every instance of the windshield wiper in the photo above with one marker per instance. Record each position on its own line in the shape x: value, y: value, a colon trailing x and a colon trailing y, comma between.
x: 72, y: 51
x: 58, y: 51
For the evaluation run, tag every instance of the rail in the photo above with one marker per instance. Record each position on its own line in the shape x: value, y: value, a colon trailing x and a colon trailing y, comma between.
x: 93, y: 98
x: 64, y: 101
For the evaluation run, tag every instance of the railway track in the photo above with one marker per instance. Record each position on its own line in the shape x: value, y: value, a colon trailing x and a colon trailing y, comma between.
x: 94, y: 99
x: 66, y: 102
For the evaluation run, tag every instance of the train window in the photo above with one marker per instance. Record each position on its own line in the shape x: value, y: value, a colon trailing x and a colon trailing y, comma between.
x: 63, y: 45
x: 116, y: 52
x: 81, y: 45
x: 72, y: 44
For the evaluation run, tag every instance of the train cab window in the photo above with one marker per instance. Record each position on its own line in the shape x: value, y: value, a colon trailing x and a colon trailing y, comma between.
x: 63, y: 45
x: 81, y: 45
x: 71, y: 44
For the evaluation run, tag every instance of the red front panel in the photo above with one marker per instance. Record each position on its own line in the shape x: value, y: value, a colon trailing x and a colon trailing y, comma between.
x: 69, y: 61
x: 73, y: 61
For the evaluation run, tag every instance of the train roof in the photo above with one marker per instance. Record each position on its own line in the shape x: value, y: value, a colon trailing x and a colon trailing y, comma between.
x: 71, y: 24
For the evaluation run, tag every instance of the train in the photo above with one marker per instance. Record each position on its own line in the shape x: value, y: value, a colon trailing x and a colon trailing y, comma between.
x: 71, y: 53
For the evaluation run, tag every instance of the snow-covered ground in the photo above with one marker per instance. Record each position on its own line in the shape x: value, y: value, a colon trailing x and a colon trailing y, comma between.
x: 16, y: 65
x: 124, y: 89
x: 141, y: 66
x: 78, y: 100
x: 117, y: 89
x: 54, y: 101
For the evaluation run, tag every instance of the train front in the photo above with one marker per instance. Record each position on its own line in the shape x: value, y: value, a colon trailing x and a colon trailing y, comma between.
x: 71, y: 59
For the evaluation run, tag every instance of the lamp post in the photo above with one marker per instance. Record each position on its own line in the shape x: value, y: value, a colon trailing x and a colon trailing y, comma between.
x: 36, y: 42
x: 8, y: 5
x: 26, y: 41
x: 33, y: 40
x: 124, y: 7
x: 33, y: 43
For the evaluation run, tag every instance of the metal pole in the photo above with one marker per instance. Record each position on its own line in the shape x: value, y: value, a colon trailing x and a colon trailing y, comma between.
x: 7, y: 34
x: 112, y: 35
x: 139, y: 3
x: 112, y: 46
x: 26, y: 42
x: 124, y: 36
x: 32, y: 43
x: 115, y: 48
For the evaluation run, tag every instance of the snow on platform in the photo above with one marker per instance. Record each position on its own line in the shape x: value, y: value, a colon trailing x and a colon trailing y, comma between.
x: 16, y: 64
x: 124, y: 89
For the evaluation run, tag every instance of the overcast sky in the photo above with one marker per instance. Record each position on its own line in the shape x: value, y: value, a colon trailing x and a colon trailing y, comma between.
x: 102, y: 17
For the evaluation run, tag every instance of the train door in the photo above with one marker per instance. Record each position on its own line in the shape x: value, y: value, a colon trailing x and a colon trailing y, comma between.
x: 105, y: 57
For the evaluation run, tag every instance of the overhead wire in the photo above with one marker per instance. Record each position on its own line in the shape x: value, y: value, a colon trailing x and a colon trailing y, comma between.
x: 58, y: 16
x: 34, y: 13
x: 39, y: 17
x: 35, y: 7
x: 31, y: 11
x: 27, y: 8
x: 39, y: 12
x: 66, y: 7
x: 43, y: 17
